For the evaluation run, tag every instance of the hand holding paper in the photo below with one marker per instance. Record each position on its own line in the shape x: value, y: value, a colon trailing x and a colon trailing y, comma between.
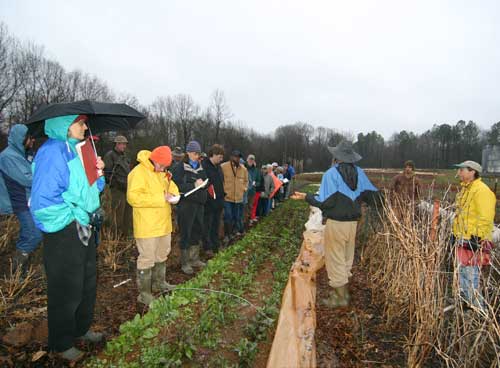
x: 172, y: 199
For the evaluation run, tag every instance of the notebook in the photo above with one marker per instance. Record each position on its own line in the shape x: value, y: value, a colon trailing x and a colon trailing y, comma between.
x: 88, y: 157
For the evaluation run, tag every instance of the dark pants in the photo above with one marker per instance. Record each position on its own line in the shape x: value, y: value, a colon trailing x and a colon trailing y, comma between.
x: 190, y: 221
x: 233, y: 215
x: 29, y: 235
x: 263, y: 207
x: 71, y: 286
x: 122, y: 211
x: 211, y: 228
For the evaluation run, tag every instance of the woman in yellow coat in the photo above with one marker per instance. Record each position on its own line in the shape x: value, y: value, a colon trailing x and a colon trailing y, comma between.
x: 151, y: 192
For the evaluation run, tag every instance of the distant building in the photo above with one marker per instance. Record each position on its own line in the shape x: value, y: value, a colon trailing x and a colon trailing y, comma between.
x: 491, y: 160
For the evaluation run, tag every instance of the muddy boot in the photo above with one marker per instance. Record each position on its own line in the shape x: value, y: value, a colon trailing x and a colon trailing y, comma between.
x: 195, y: 257
x: 185, y: 264
x: 228, y: 233
x: 20, y: 262
x: 92, y: 337
x: 339, y: 297
x: 159, y: 283
x: 72, y: 355
x: 144, y: 286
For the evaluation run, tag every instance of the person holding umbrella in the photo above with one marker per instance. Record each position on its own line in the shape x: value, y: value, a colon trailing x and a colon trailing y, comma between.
x: 64, y: 207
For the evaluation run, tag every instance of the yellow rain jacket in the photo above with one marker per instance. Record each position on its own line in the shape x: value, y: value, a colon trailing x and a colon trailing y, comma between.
x: 475, y: 211
x: 146, y: 194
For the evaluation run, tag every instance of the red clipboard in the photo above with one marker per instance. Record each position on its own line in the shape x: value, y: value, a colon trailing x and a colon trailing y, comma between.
x: 89, y: 160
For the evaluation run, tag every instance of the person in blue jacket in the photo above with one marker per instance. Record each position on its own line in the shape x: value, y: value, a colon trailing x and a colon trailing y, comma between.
x: 15, y: 189
x: 64, y: 206
x: 289, y: 175
x: 343, y: 188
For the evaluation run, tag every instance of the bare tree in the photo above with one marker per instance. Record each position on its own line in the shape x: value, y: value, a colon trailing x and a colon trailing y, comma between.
x: 220, y: 110
x: 185, y: 111
x: 162, y: 119
x: 12, y: 68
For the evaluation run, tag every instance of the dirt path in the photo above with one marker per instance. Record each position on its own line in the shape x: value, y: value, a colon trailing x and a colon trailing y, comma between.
x: 114, y: 306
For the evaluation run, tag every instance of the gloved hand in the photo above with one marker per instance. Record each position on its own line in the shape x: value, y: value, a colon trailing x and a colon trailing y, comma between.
x: 474, y: 243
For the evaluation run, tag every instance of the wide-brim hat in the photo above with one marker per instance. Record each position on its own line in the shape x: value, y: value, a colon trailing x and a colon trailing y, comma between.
x: 120, y: 139
x: 177, y: 152
x: 345, y: 153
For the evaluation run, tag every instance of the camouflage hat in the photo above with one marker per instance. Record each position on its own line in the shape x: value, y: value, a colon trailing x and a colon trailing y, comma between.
x: 120, y: 139
x: 177, y: 152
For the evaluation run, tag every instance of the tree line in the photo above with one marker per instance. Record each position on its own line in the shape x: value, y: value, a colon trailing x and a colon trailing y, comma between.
x: 29, y: 79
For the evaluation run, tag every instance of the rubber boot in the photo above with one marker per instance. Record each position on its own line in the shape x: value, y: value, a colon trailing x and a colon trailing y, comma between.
x: 185, y: 264
x: 159, y: 283
x: 194, y: 259
x: 20, y: 261
x: 339, y: 297
x: 92, y: 337
x: 144, y: 286
x: 72, y: 354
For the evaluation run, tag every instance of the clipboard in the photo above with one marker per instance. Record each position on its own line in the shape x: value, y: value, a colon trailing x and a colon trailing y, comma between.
x: 87, y: 156
x: 203, y: 185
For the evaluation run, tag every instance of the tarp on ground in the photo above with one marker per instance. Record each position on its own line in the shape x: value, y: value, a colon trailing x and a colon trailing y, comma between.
x: 293, y: 344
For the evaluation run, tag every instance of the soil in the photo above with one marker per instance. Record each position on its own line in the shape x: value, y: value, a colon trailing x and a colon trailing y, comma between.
x: 26, y: 318
x: 355, y: 336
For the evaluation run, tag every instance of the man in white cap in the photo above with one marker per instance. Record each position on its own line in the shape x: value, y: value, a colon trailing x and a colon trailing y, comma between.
x: 116, y: 171
x: 472, y: 230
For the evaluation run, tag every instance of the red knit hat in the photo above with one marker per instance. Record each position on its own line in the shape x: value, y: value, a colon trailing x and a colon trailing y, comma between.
x: 162, y: 155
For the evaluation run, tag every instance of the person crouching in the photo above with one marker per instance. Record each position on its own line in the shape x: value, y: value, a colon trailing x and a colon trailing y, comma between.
x: 150, y: 191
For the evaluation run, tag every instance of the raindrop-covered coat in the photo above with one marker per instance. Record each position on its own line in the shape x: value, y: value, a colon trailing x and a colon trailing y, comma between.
x: 146, y: 194
x: 61, y: 193
x: 16, y: 175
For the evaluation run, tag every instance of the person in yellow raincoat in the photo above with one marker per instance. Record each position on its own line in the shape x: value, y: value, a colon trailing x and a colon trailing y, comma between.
x: 151, y: 192
x: 472, y: 230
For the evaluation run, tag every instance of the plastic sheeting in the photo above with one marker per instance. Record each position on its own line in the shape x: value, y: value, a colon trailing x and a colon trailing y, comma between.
x: 293, y: 344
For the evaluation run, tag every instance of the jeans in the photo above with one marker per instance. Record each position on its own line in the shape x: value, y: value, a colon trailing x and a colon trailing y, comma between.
x: 263, y: 207
x: 233, y: 214
x: 29, y: 235
x: 469, y: 285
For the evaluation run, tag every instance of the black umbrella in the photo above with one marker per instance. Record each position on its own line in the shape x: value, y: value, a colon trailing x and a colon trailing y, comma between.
x: 103, y: 117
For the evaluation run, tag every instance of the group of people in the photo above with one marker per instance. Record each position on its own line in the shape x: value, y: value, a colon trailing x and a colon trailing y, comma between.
x: 55, y: 200
x: 345, y: 186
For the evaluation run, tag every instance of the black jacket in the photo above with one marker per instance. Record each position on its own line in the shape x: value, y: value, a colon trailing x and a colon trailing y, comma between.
x: 216, y: 178
x: 340, y: 207
x: 185, y: 177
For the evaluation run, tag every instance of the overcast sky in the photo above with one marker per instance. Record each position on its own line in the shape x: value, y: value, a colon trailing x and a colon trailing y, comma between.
x: 350, y: 65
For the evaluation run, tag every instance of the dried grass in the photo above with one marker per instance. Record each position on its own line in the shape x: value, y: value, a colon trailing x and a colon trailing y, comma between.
x: 413, y: 276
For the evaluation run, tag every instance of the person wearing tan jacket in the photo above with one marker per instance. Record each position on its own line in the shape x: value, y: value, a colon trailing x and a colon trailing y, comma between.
x: 235, y: 186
